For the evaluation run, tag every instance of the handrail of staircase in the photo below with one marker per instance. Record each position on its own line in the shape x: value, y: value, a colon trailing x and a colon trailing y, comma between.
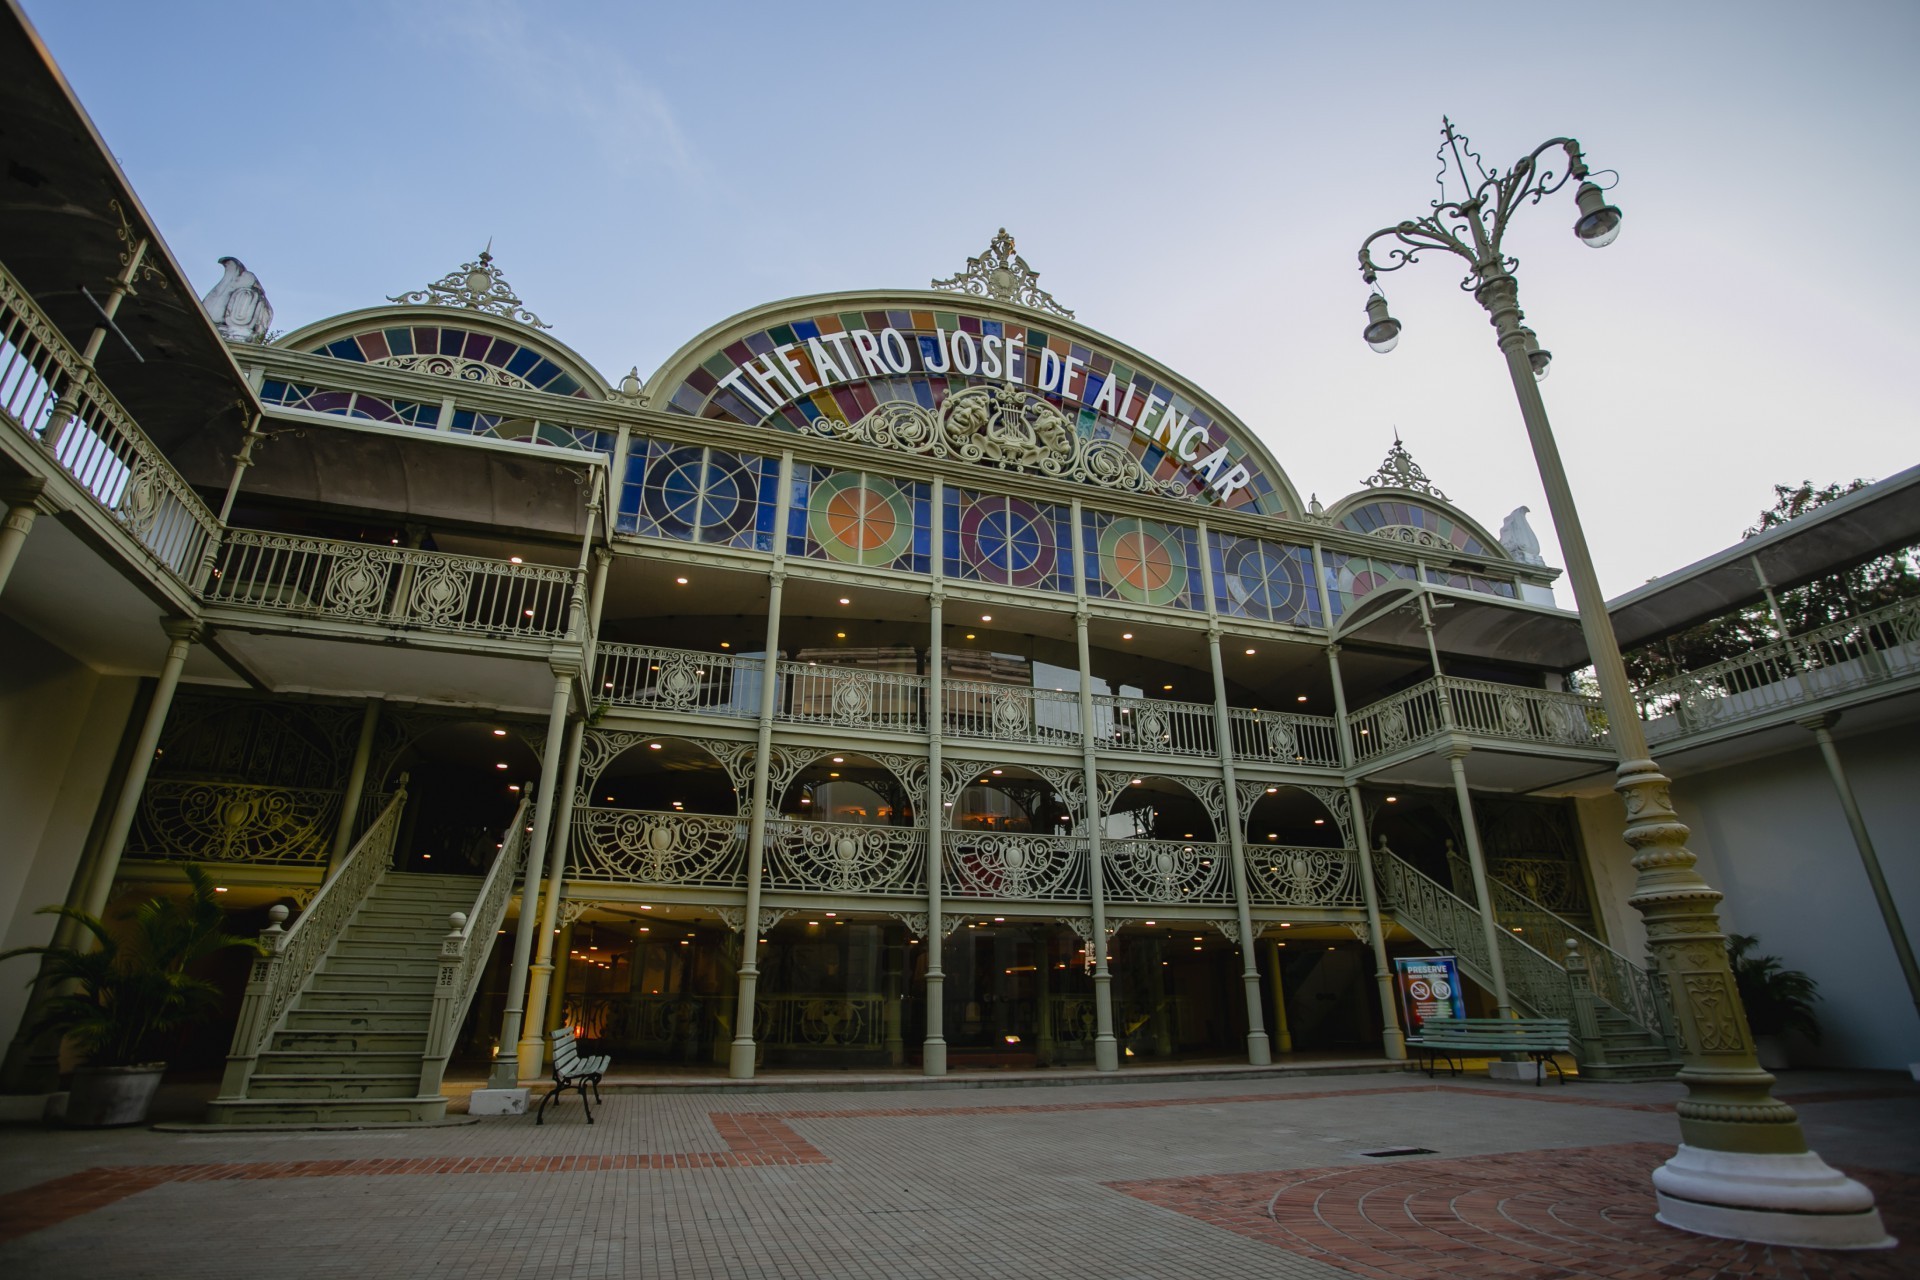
x: 462, y: 961
x: 1629, y: 988
x: 292, y: 955
x: 1536, y: 982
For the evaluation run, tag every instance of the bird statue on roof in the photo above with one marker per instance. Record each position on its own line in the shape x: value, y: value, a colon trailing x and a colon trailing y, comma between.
x: 1517, y: 537
x: 237, y: 305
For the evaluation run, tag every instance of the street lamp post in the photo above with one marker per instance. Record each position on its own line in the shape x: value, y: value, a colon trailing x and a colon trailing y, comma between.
x: 1743, y: 1169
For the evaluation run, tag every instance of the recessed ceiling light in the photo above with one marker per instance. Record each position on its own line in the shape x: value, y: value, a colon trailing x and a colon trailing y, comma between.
x: 839, y: 759
x: 839, y: 635
x: 219, y: 888
x: 499, y: 733
x: 986, y: 617
x: 653, y: 746
x: 1126, y: 635
x: 969, y: 635
x: 845, y: 600
x: 1301, y: 698
x: 1251, y: 652
x: 996, y: 773
x: 1319, y: 822
x: 515, y: 560
x: 681, y: 581
x: 1272, y: 790
x: 1136, y: 781
x: 644, y: 907
x: 726, y: 644
x: 1393, y: 799
x: 1166, y: 688
x: 500, y: 766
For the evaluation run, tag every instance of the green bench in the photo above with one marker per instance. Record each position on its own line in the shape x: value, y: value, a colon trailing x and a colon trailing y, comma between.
x: 571, y: 1070
x: 1456, y: 1038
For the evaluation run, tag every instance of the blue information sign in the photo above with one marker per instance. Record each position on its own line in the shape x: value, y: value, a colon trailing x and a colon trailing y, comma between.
x: 1429, y: 988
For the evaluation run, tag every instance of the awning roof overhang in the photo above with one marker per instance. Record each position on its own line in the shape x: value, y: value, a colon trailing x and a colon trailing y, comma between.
x: 1879, y: 518
x: 1468, y: 624
x: 60, y: 233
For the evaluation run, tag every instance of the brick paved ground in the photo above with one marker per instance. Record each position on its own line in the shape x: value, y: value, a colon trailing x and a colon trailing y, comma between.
x: 1161, y: 1178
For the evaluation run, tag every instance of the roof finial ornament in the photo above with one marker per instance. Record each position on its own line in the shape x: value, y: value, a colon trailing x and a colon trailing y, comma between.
x: 1399, y: 471
x: 1002, y: 274
x: 477, y: 286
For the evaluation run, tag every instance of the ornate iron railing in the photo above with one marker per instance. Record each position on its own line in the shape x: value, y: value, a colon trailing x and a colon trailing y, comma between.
x: 635, y: 846
x: 1009, y: 713
x: 1872, y: 648
x: 293, y: 954
x: 463, y: 952
x: 1153, y: 727
x: 1296, y: 876
x: 657, y: 679
x: 53, y: 397
x: 851, y: 697
x: 1407, y: 717
x: 1521, y: 714
x: 856, y: 1020
x: 845, y: 857
x: 1631, y: 989
x: 205, y: 820
x: 394, y: 586
x: 1015, y: 866
x: 1536, y: 983
x: 1273, y: 737
x: 639, y: 1021
x: 1165, y: 872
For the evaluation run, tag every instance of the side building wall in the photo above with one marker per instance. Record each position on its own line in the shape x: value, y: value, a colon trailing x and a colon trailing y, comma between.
x: 61, y: 724
x: 1771, y: 835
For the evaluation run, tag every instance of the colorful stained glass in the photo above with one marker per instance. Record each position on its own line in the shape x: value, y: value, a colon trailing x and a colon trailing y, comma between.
x: 350, y: 404
x: 1142, y: 561
x: 1413, y: 524
x: 1005, y: 540
x: 842, y: 366
x: 1253, y: 578
x: 447, y: 351
x: 692, y: 494
x: 1472, y: 582
x: 860, y: 519
x: 1351, y: 579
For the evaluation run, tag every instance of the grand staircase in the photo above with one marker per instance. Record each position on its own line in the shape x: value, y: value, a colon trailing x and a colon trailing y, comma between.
x: 1615, y: 1007
x: 355, y: 1035
x: 350, y: 1016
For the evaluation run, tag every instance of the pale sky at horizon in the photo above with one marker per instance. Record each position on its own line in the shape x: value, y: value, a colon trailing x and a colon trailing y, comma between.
x: 1193, y: 183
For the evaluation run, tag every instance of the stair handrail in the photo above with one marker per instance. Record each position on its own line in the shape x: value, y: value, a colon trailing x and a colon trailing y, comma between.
x: 462, y: 962
x: 1535, y: 982
x: 1629, y: 989
x: 291, y: 955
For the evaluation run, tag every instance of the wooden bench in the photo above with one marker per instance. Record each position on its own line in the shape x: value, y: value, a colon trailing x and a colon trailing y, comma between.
x: 572, y: 1071
x: 1455, y: 1038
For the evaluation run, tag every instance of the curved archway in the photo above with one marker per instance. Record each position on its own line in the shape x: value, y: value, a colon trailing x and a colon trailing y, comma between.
x: 1159, y: 808
x: 1293, y: 816
x: 455, y: 343
x: 848, y: 787
x: 664, y: 774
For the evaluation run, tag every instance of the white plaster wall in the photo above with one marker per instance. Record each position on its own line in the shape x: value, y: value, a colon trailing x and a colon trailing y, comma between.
x: 60, y: 724
x: 1602, y: 818
x: 1771, y: 835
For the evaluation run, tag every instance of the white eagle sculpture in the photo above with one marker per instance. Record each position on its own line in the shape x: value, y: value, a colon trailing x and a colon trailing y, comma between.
x: 238, y: 306
x: 1517, y: 536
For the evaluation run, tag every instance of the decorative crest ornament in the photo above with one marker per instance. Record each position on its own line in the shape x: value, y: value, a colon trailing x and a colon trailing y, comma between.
x: 1399, y: 471
x: 1003, y: 274
x: 477, y: 286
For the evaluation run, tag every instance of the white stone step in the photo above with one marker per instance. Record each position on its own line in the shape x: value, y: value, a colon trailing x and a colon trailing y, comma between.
x: 338, y: 1041
x: 418, y: 1003
x: 280, y: 1062
x: 327, y: 1111
x: 354, y: 1020
x: 398, y: 1085
x: 394, y: 980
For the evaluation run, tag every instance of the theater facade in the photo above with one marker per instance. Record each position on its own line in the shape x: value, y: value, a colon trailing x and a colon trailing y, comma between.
x: 911, y: 678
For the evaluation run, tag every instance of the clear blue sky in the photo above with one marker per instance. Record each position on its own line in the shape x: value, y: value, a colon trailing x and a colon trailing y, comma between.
x: 1192, y: 179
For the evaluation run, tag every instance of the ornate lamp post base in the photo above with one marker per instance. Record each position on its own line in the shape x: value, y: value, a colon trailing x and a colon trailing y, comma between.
x: 1784, y: 1199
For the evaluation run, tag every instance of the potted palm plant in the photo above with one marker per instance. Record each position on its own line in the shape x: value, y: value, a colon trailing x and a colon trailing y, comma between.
x: 1779, y: 1001
x: 123, y: 1002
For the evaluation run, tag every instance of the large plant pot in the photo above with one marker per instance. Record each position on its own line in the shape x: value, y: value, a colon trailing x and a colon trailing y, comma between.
x: 106, y: 1096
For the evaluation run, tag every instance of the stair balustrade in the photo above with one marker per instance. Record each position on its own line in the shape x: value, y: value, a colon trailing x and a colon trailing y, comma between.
x: 294, y: 954
x: 1629, y: 989
x: 463, y: 952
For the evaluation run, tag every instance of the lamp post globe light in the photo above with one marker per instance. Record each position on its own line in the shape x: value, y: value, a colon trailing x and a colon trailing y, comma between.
x: 1743, y: 1169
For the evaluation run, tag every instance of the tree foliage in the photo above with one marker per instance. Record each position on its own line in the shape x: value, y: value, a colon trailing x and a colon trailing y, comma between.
x: 1843, y: 594
x: 125, y: 1001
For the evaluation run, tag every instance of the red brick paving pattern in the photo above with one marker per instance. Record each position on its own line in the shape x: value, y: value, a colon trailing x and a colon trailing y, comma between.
x: 1534, y: 1215
x: 1537, y: 1215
